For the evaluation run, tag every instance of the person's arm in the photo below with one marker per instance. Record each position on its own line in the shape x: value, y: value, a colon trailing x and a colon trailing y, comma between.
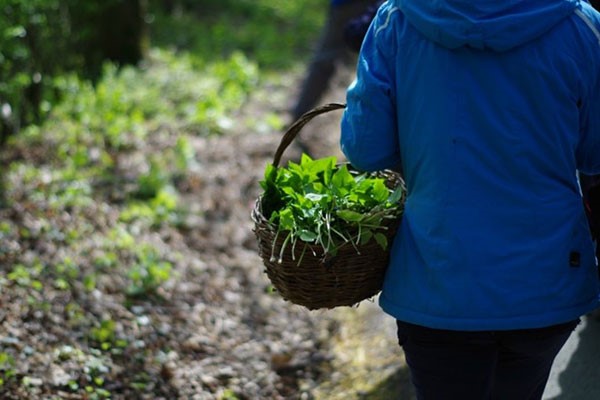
x: 369, y: 138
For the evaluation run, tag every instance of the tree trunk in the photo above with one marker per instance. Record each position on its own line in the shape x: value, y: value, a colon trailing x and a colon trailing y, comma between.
x: 122, y: 31
x: 114, y: 31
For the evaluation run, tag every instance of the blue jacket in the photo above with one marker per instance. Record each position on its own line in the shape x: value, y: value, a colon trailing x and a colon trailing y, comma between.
x: 489, y: 108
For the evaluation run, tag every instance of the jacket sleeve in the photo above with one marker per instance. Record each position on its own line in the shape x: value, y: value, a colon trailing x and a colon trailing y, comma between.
x: 369, y: 138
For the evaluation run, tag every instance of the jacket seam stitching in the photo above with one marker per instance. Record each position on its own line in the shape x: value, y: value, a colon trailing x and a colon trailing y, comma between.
x: 387, y: 20
x: 589, y: 24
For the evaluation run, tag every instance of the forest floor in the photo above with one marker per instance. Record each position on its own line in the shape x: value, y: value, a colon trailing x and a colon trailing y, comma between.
x: 213, y: 330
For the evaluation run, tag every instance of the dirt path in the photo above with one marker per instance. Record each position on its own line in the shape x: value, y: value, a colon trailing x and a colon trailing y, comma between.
x: 348, y: 353
x: 214, y: 332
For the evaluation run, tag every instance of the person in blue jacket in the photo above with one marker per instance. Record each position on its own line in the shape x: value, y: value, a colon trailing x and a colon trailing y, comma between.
x: 489, y: 109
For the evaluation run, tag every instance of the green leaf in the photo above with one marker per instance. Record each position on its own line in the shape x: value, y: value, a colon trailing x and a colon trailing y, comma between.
x: 396, y: 195
x: 271, y: 200
x: 286, y: 220
x: 321, y: 169
x: 342, y: 181
x: 349, y: 215
x: 315, y: 197
x: 373, y: 219
x: 381, y: 239
x: 367, y: 234
x: 380, y: 192
x: 305, y: 160
x: 270, y: 177
x: 290, y: 191
x: 308, y: 236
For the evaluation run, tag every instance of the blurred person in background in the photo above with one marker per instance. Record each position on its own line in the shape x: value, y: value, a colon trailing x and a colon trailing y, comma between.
x: 335, y: 46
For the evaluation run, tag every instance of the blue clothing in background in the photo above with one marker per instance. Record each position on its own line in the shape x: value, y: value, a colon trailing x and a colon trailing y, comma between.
x: 489, y: 109
x: 356, y: 29
x: 331, y: 51
x: 338, y: 2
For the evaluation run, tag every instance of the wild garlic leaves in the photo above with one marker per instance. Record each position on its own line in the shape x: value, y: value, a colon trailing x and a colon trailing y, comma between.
x: 320, y: 202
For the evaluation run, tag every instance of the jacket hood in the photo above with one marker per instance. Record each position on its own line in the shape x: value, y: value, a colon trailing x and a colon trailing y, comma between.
x: 485, y: 24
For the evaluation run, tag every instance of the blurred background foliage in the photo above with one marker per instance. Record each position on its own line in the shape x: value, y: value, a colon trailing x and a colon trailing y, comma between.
x: 48, y: 47
x: 272, y: 33
x: 103, y: 106
x: 42, y: 39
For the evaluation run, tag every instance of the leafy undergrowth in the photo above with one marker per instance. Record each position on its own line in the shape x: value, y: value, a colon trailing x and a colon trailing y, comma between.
x: 128, y: 267
x: 277, y: 34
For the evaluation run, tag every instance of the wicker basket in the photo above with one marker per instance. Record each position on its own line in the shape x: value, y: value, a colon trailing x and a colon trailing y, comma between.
x: 322, y: 282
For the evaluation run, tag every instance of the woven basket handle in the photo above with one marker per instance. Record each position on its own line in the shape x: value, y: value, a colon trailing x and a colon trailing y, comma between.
x: 295, y: 128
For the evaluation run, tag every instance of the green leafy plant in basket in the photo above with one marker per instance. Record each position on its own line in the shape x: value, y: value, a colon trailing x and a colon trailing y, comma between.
x: 320, y: 202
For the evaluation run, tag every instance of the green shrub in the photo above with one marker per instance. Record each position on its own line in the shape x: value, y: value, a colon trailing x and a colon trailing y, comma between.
x: 42, y: 39
x: 273, y: 34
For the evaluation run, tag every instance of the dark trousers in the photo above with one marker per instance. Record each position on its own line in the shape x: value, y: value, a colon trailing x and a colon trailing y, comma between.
x: 484, y: 365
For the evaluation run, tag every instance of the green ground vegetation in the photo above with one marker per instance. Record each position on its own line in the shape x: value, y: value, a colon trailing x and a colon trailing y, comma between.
x: 83, y: 191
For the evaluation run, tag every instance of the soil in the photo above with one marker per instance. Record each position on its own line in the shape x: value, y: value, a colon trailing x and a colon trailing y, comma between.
x: 214, y: 330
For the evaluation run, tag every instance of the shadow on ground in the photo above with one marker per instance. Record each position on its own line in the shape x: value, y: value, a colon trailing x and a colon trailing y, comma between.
x: 396, y: 386
x: 576, y: 371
